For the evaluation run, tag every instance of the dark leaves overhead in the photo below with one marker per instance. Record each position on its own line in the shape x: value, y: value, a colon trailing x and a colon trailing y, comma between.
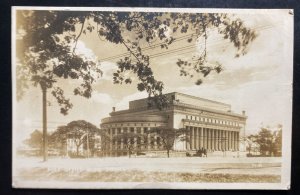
x: 47, y: 50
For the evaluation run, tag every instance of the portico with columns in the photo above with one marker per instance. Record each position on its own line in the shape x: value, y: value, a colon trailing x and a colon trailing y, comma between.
x: 210, y: 125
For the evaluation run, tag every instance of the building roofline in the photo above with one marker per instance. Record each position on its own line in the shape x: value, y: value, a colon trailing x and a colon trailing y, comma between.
x: 199, y: 98
x: 132, y: 111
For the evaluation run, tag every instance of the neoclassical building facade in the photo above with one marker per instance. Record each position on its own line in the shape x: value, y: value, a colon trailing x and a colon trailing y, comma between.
x: 210, y: 125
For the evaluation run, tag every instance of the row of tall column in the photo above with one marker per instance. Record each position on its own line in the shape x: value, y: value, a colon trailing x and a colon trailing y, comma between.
x: 212, y: 139
x: 148, y: 143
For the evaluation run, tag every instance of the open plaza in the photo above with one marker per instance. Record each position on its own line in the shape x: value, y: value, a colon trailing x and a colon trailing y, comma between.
x: 145, y: 169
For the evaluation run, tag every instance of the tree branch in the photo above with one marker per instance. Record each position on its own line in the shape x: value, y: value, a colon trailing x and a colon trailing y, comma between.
x: 80, y: 32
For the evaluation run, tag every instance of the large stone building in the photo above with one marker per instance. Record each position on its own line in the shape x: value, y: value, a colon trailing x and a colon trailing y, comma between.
x: 211, y: 125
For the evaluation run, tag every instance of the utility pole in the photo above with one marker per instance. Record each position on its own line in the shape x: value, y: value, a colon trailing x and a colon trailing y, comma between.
x: 45, y: 138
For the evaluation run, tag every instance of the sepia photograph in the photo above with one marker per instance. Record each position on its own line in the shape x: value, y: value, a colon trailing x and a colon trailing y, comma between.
x: 152, y: 98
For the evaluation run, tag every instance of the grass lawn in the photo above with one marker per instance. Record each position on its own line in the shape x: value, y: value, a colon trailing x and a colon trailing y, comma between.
x: 44, y: 174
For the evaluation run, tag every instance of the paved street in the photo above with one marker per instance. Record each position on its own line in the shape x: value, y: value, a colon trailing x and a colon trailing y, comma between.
x: 252, y: 166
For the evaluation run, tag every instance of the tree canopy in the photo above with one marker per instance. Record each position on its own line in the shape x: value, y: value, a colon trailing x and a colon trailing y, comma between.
x: 35, y: 140
x: 168, y: 136
x: 79, y: 131
x: 47, y: 51
x: 130, y: 140
x: 270, y: 143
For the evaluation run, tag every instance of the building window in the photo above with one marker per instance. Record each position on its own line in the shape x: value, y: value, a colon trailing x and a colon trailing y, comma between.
x: 187, y: 117
x: 132, y: 130
x: 119, y: 130
x: 138, y: 130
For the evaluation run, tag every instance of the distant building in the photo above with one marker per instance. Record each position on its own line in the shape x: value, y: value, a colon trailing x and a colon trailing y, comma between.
x: 212, y: 125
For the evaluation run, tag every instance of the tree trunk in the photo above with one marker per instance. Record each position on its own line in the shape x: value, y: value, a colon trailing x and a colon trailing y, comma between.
x: 45, y: 138
x: 249, y: 149
x: 77, y: 150
x: 168, y: 153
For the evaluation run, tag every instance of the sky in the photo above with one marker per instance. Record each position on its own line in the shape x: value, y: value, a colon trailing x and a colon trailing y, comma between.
x: 259, y: 82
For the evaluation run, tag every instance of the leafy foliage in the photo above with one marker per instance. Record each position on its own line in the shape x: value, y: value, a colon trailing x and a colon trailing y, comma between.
x: 130, y: 140
x: 269, y: 143
x: 47, y: 50
x: 168, y: 136
x: 35, y: 140
x: 78, y: 131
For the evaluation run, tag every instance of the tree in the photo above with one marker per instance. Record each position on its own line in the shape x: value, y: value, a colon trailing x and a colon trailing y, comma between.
x: 58, y: 139
x: 252, y: 139
x: 47, y: 51
x: 278, y: 141
x: 167, y: 136
x: 130, y: 140
x: 81, y: 132
x: 105, y: 141
x: 35, y: 140
x: 265, y: 141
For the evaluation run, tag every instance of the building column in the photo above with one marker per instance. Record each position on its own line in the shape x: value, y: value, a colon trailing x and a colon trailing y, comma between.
x: 229, y: 140
x: 201, y: 137
x: 148, y: 141
x: 194, y: 137
x: 197, y: 137
x: 135, y: 139
x: 111, y: 143
x: 188, y: 142
x: 122, y: 140
x: 142, y: 140
x: 155, y: 141
x: 209, y: 139
x: 219, y: 139
x: 238, y: 140
x: 232, y: 140
x: 191, y: 138
x: 222, y: 140
x: 216, y: 140
x: 213, y: 139
x: 204, y: 138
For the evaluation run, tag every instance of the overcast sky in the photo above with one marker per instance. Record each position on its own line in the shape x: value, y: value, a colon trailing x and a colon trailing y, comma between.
x: 259, y: 83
